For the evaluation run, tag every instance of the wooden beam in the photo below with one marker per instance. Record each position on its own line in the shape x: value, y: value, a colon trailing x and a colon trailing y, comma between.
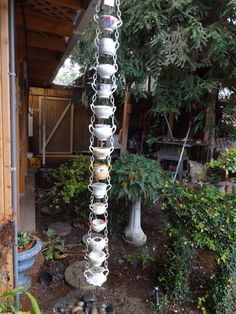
x: 6, y: 211
x: 42, y: 23
x: 44, y: 54
x: 40, y: 40
x: 72, y: 4
x: 125, y: 122
x: 35, y: 64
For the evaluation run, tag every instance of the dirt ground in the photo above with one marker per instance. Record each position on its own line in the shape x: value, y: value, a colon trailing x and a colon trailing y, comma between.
x: 132, y: 276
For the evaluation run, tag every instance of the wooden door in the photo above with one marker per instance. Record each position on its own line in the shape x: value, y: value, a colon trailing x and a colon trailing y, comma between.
x: 56, y: 120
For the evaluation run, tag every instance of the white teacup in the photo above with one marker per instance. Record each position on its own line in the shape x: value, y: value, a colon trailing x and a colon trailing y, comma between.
x: 108, y: 46
x: 101, y: 153
x: 105, y: 71
x: 102, y: 131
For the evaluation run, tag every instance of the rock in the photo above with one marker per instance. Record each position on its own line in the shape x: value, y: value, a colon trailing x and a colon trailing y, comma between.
x: 110, y: 309
x: 50, y: 211
x: 94, y: 310
x: 89, y: 297
x: 81, y: 303
x: 74, y: 276
x: 102, y: 311
x: 76, y: 309
x: 62, y: 228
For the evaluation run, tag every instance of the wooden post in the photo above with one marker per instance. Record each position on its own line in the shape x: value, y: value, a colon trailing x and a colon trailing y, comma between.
x: 5, y: 137
x: 171, y: 120
x: 125, y: 122
x: 44, y: 126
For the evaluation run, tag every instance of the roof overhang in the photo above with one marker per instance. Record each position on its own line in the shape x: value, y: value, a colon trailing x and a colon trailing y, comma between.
x: 46, y: 33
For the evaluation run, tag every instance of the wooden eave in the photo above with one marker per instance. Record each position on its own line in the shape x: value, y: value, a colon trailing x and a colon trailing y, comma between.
x: 47, y: 35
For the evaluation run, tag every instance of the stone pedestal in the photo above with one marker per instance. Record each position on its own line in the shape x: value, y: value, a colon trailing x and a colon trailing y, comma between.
x: 133, y: 233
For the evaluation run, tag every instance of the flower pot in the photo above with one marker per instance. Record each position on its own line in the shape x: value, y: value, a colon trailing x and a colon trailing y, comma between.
x: 96, y: 275
x: 105, y: 71
x: 99, y: 189
x: 97, y: 257
x: 102, y: 131
x: 103, y: 112
x: 107, y: 46
x: 101, y: 172
x: 97, y: 243
x: 98, y: 208
x: 101, y: 153
x: 98, y: 224
x: 108, y: 23
x: 26, y: 260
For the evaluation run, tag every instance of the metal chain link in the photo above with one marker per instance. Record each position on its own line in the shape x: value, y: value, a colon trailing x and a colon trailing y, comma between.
x: 93, y: 157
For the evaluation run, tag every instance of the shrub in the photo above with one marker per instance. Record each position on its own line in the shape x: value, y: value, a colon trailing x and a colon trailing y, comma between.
x: 136, y: 177
x: 202, y: 219
x: 70, y: 184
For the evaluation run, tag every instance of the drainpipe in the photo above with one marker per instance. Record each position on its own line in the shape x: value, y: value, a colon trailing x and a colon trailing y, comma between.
x: 12, y: 75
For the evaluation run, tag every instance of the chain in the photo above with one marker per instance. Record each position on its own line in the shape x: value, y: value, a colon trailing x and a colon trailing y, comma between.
x: 101, y: 139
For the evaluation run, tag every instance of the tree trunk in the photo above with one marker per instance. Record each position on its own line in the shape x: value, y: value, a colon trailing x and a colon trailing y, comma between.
x: 133, y: 233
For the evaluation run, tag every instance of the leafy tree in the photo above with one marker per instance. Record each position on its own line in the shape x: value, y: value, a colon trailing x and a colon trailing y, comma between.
x: 186, y: 46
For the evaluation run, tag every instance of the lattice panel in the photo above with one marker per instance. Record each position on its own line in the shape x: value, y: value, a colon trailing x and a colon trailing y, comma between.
x: 45, y: 7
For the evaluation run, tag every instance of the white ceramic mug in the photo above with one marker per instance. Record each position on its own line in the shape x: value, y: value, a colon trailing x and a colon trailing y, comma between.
x: 105, y: 71
x: 107, y: 46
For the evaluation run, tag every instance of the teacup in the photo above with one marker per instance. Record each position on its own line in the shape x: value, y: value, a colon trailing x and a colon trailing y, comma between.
x: 108, y: 23
x: 105, y: 71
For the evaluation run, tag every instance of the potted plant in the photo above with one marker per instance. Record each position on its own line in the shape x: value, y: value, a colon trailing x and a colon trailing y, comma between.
x: 219, y: 171
x: 54, y: 247
x: 136, y: 179
x: 28, y: 248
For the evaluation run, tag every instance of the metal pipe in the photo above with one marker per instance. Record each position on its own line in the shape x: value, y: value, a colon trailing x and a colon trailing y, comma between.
x: 12, y: 76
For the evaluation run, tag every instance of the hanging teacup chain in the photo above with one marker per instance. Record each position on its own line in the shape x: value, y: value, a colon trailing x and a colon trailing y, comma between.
x: 102, y: 127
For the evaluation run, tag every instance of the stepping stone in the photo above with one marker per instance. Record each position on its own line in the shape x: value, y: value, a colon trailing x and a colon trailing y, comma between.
x: 94, y: 234
x: 62, y: 228
x: 50, y: 211
x: 74, y: 276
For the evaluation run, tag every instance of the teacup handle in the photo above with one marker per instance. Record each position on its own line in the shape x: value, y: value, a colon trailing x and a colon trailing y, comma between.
x: 113, y: 109
x: 96, y: 18
x: 109, y: 167
x: 117, y: 45
x: 113, y: 129
x: 91, y: 169
x: 92, y: 108
x: 94, y: 87
x: 91, y: 128
x: 114, y: 87
x: 109, y: 187
x: 119, y: 24
x: 90, y: 188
